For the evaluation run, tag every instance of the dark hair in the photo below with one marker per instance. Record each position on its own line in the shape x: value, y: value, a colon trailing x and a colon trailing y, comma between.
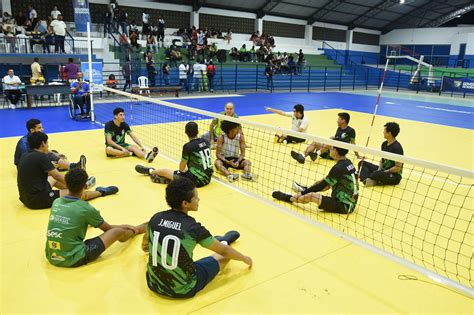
x: 179, y: 190
x: 70, y: 60
x: 118, y: 110
x: 191, y: 129
x: 299, y: 108
x: 227, y: 126
x: 36, y: 59
x: 31, y: 124
x: 393, y: 128
x: 76, y: 179
x: 36, y: 138
x: 345, y: 116
x: 340, y: 151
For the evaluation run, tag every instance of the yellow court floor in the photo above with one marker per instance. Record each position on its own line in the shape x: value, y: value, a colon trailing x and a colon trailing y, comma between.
x: 298, y: 268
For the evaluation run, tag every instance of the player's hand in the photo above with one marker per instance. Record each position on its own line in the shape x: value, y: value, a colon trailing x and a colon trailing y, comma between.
x: 129, y: 227
x: 248, y: 261
x: 268, y: 108
x: 235, y: 164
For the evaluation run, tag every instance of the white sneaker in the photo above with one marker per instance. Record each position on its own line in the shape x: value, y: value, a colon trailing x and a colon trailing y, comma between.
x: 297, y: 187
x: 232, y: 177
x: 249, y: 177
x: 90, y: 182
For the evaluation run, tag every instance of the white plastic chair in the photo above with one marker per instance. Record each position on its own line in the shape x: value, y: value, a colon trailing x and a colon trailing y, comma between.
x: 143, y: 83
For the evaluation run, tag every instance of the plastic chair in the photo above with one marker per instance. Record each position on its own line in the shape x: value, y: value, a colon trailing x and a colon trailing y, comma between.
x: 143, y: 83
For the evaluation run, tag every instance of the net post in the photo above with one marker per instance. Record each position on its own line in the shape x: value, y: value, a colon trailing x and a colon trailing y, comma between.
x: 89, y: 61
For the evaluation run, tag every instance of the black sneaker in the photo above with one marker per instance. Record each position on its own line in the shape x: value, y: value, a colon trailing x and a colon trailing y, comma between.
x: 143, y: 169
x: 229, y: 237
x: 109, y: 190
x: 313, y: 156
x: 297, y: 156
x: 82, y: 162
x: 159, y: 179
x: 150, y: 156
x: 281, y: 196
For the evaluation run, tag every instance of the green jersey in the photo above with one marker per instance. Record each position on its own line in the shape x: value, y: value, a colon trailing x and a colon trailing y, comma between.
x: 67, y: 229
x: 218, y: 122
x: 343, y: 183
x: 172, y: 236
x: 197, y: 155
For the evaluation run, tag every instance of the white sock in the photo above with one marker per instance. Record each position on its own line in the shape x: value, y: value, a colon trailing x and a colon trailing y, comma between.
x: 318, y: 152
x: 224, y: 242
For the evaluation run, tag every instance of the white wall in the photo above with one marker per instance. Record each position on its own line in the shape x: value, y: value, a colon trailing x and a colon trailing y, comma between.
x: 433, y: 36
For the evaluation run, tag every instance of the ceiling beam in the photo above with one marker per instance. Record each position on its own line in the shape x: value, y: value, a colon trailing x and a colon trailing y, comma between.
x: 361, y: 19
x: 325, y: 9
x: 267, y: 8
x: 449, y: 17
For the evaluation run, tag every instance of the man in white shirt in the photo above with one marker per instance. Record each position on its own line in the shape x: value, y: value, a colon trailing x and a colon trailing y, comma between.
x: 298, y: 123
x: 183, y: 76
x: 11, y: 86
x: 198, y: 68
x: 32, y: 14
x: 55, y: 13
x: 59, y: 28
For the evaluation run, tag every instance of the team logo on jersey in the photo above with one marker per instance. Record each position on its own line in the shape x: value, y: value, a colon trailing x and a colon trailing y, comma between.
x: 54, y: 245
x: 343, y: 135
x: 56, y: 233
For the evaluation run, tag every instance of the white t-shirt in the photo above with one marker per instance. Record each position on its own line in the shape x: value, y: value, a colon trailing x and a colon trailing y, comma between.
x: 8, y: 79
x: 183, y: 71
x: 145, y: 18
x: 198, y: 70
x: 59, y: 27
x: 55, y: 13
x: 297, y: 123
x: 33, y: 14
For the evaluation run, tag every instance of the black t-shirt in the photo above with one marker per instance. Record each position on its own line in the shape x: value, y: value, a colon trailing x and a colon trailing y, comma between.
x: 198, y: 158
x: 32, y: 178
x: 342, y: 179
x: 172, y: 236
x: 118, y: 133
x: 347, y: 135
x: 395, y: 148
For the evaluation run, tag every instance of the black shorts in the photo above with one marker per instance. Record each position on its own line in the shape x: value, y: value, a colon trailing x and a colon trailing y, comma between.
x: 234, y: 159
x: 94, y: 248
x: 330, y: 204
x: 42, y: 200
x: 291, y: 139
x: 190, y: 176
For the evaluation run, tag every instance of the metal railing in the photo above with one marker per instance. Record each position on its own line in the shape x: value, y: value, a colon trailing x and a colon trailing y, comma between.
x: 28, y: 45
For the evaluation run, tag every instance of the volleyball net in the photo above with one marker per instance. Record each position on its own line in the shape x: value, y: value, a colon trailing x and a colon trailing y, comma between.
x: 425, y: 220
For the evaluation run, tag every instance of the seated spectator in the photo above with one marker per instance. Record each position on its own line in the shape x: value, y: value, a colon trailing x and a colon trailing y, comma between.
x: 228, y: 36
x: 80, y: 91
x: 10, y: 39
x: 234, y: 53
x: 11, y: 88
x: 253, y: 54
x: 133, y: 27
x: 212, y: 51
x: 49, y: 38
x: 243, y: 53
x: 151, y: 43
x: 134, y: 42
x: 255, y: 38
x: 124, y: 42
x: 175, y: 56
x: 37, y: 76
x: 36, y: 38
x: 166, y: 73
x: 111, y: 83
x: 71, y: 70
x: 55, y: 13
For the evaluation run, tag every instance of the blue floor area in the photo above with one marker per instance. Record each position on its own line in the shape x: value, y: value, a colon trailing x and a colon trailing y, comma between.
x: 56, y: 119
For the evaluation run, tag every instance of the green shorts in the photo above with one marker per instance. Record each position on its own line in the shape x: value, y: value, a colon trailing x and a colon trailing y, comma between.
x: 326, y: 155
x: 123, y: 145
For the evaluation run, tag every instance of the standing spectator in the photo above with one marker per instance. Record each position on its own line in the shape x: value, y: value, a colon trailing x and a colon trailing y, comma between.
x: 54, y: 14
x: 228, y: 36
x: 133, y: 27
x: 145, y: 23
x: 150, y: 67
x: 124, y: 43
x: 32, y: 15
x: 108, y: 20
x: 183, y: 75
x: 20, y: 18
x: 122, y: 20
x: 212, y: 49
x: 197, y: 69
x: 253, y: 54
x: 71, y: 70
x: 151, y: 43
x: 269, y: 70
x: 36, y: 72
x: 126, y: 72
x: 211, y: 72
x: 161, y: 31
x: 59, y: 28
x: 134, y: 42
x: 49, y: 38
x: 12, y: 88
x: 166, y: 73
x: 300, y: 62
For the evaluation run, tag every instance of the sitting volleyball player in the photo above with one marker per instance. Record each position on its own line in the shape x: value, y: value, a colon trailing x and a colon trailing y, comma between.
x: 215, y: 127
x: 196, y: 161
x: 171, y: 270
x: 344, y: 133
x: 341, y: 179
x: 298, y: 123
x: 59, y: 160
x: 68, y: 222
x: 115, y: 132
x: 388, y: 172
x: 37, y: 176
x: 231, y: 152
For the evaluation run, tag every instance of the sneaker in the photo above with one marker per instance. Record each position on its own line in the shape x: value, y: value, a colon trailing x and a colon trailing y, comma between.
x: 298, y: 187
x: 82, y: 162
x: 159, y: 179
x: 297, y: 156
x: 229, y: 237
x: 143, y: 169
x: 276, y: 139
x: 252, y: 177
x: 152, y: 155
x: 369, y: 182
x: 281, y: 196
x: 313, y: 156
x: 90, y: 182
x: 232, y: 177
x: 109, y: 190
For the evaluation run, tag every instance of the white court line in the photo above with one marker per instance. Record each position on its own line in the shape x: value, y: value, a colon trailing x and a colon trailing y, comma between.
x: 391, y: 103
x: 446, y: 110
